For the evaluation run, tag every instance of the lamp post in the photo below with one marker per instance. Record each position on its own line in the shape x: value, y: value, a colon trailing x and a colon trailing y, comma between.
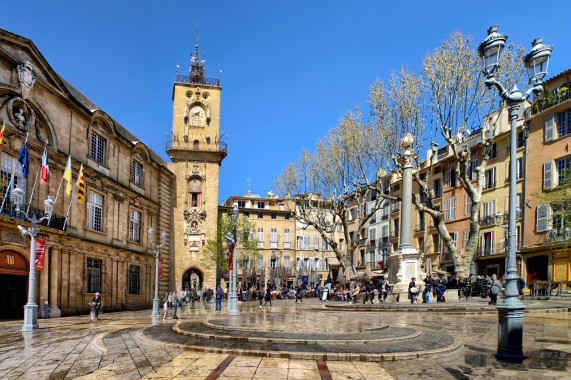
x: 31, y: 309
x: 157, y: 248
x: 510, y: 312
x: 233, y: 298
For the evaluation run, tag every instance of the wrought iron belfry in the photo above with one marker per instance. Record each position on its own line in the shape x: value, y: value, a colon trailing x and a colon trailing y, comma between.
x: 510, y: 312
x: 196, y: 71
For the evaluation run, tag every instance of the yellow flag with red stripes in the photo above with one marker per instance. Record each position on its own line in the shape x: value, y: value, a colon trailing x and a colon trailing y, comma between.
x: 2, y: 132
x: 80, y: 185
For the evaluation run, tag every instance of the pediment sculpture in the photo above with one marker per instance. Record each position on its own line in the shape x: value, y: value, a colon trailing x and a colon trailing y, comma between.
x: 26, y: 78
x: 194, y: 231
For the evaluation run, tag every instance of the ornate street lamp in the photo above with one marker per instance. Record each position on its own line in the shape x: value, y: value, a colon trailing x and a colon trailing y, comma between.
x: 233, y: 297
x: 510, y: 312
x: 31, y: 309
x: 157, y: 249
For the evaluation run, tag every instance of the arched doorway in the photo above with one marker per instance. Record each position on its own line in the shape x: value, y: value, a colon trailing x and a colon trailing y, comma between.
x: 192, y: 279
x: 14, y: 271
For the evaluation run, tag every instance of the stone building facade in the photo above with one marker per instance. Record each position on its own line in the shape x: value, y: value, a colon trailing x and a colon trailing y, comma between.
x: 196, y: 150
x: 105, y: 246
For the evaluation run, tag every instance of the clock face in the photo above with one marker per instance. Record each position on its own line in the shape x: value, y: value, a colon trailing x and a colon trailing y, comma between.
x: 197, y: 115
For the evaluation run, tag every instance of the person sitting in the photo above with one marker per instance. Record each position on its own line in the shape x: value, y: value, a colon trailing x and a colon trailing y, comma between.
x: 413, y: 290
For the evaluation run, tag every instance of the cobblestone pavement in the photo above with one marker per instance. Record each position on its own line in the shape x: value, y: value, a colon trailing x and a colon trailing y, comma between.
x: 72, y: 347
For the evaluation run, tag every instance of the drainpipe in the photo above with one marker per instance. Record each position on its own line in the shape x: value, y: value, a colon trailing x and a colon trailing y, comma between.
x: 523, y: 194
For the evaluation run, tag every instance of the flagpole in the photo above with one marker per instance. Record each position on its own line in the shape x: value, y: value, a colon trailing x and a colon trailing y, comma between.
x: 57, y: 195
x: 69, y: 208
x: 7, y: 190
x: 36, y: 181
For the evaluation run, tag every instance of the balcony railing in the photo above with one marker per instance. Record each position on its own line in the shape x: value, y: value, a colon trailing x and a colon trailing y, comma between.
x: 206, y: 81
x: 545, y: 103
x: 420, y: 227
x: 446, y: 257
x: 173, y: 142
x: 10, y: 211
x: 394, y: 234
x: 487, y: 221
x: 396, y: 206
x: 362, y: 242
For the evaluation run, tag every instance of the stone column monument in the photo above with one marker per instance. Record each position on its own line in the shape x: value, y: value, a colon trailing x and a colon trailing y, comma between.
x: 405, y: 262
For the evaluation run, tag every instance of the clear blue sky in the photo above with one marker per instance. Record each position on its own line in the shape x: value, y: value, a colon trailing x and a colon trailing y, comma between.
x: 291, y: 69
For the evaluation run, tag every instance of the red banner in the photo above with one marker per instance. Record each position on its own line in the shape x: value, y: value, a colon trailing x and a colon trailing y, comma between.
x: 160, y: 269
x: 230, y: 258
x: 40, y: 253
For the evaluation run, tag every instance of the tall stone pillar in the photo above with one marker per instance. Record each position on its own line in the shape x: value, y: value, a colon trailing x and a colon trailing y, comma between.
x: 404, y: 263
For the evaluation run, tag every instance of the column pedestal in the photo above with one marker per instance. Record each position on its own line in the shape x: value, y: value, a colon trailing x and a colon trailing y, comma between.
x: 510, y: 333
x: 404, y: 264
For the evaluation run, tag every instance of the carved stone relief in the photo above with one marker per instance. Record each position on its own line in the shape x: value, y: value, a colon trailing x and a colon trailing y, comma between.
x: 26, y: 78
x: 194, y: 233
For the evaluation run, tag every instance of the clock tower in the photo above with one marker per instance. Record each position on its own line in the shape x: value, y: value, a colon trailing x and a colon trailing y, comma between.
x: 196, y: 150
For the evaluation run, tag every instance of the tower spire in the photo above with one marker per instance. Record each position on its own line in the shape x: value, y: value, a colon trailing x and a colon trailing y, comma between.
x: 196, y: 70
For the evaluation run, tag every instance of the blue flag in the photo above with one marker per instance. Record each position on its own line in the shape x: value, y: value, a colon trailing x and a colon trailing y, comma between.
x: 23, y: 158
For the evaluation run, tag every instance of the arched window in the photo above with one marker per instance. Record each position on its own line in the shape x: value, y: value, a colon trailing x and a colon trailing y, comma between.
x: 196, y: 145
x: 194, y: 191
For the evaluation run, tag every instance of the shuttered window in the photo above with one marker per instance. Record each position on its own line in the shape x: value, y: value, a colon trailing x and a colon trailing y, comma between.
x: 548, y: 128
x: 273, y: 238
x: 467, y: 205
x: 287, y: 242
x: 548, y: 174
x: 260, y: 238
x: 450, y: 212
x: 542, y: 218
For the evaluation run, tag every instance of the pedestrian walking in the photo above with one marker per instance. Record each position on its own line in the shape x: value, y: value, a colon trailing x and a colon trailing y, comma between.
x: 495, y: 287
x: 174, y: 300
x: 298, y: 294
x: 268, y: 296
x: 219, y: 295
x: 166, y: 308
x: 170, y: 300
x: 205, y: 298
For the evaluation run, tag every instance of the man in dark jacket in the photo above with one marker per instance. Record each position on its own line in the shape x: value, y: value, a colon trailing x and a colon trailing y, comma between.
x: 369, y: 292
x: 297, y: 295
x: 219, y: 296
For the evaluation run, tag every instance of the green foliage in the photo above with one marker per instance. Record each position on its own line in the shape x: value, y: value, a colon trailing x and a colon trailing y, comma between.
x: 216, y: 250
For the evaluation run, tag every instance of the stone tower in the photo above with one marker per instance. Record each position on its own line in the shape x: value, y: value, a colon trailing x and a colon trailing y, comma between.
x: 196, y: 149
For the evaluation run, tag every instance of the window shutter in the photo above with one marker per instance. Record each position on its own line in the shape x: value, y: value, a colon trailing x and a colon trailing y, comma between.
x: 542, y: 218
x: 549, y: 128
x: 453, y: 211
x: 548, y: 174
x: 269, y: 263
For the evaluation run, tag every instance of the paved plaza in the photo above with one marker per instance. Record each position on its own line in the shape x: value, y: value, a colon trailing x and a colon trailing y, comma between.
x: 131, y: 345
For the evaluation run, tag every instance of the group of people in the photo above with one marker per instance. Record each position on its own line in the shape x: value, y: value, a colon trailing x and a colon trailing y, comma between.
x: 177, y: 299
x: 368, y: 289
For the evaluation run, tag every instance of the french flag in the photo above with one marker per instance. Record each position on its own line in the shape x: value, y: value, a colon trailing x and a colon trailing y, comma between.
x: 45, y: 167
